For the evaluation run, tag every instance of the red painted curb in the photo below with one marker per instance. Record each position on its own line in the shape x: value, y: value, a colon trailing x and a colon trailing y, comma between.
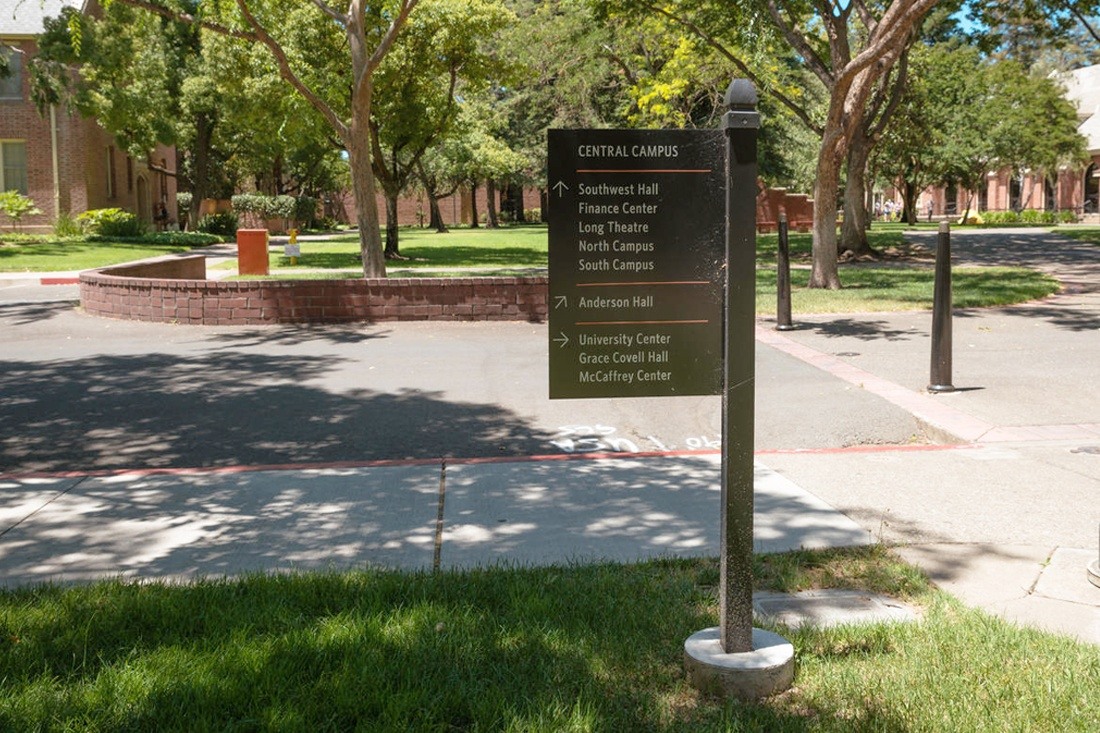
x: 59, y: 281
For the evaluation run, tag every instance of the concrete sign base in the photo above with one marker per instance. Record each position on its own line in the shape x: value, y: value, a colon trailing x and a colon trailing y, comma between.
x: 766, y: 670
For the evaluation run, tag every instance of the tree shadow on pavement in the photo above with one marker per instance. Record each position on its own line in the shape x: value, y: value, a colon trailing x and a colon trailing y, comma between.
x: 1063, y: 316
x: 862, y: 329
x: 227, y: 409
x: 295, y: 334
x: 22, y: 314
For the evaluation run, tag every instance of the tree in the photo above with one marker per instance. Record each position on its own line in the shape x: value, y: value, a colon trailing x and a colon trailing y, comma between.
x: 265, y: 133
x: 563, y: 77
x: 849, y: 46
x: 965, y: 115
x: 444, y: 46
x: 1024, y: 31
x: 368, y: 32
x: 135, y: 74
x: 875, y: 117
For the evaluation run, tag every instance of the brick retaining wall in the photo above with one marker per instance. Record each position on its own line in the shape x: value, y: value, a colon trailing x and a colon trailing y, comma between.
x: 156, y: 295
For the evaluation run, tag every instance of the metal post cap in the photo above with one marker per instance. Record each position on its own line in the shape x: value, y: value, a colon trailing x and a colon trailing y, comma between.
x: 741, y: 94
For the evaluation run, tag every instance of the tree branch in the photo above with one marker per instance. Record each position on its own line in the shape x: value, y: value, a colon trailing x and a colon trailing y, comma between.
x: 391, y: 33
x: 899, y: 19
x: 1072, y: 7
x: 897, y: 90
x: 740, y: 65
x: 287, y: 73
x: 865, y: 15
x: 328, y: 10
x: 801, y: 46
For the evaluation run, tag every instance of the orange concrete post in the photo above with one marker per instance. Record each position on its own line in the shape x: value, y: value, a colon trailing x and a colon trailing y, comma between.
x: 252, y: 252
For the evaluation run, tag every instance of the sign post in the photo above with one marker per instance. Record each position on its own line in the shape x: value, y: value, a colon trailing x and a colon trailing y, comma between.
x: 652, y: 250
x: 741, y: 124
x: 735, y: 659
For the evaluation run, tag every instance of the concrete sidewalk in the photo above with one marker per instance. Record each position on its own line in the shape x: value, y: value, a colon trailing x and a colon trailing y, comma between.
x: 185, y: 524
x: 1007, y: 520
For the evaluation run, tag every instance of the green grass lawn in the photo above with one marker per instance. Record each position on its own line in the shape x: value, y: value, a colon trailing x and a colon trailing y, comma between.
x: 579, y: 648
x: 30, y: 253
x: 1090, y: 235
x: 869, y: 288
x: 509, y: 247
x: 57, y: 256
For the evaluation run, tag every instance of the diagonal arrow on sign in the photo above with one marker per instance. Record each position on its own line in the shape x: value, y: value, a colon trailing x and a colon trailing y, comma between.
x: 560, y: 301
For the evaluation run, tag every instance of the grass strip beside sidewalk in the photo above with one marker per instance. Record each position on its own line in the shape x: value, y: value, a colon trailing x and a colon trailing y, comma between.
x: 586, y: 648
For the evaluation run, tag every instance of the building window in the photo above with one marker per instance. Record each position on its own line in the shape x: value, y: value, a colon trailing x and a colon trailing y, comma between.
x: 11, y: 86
x: 13, y: 166
x: 110, y: 171
x: 129, y: 174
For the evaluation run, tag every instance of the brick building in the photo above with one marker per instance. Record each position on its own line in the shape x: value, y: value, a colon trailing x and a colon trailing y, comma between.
x: 66, y: 163
x: 1075, y: 189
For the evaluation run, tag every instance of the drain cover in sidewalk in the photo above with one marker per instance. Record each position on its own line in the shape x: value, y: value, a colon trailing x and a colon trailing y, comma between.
x: 829, y: 608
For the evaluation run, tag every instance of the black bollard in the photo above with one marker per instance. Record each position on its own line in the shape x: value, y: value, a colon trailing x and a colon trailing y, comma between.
x: 940, y: 380
x: 783, y: 278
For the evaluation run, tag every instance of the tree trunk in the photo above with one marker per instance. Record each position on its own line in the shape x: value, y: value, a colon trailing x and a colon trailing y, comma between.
x: 853, y: 240
x: 366, y: 203
x: 435, y: 216
x: 909, y: 195
x: 474, y: 224
x: 823, y: 272
x: 392, y: 251
x: 491, y: 203
x: 200, y: 185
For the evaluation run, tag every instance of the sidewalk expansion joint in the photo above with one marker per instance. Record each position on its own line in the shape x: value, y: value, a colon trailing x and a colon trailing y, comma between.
x: 54, y: 498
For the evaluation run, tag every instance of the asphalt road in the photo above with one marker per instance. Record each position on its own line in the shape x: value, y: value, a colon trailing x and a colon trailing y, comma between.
x: 81, y: 393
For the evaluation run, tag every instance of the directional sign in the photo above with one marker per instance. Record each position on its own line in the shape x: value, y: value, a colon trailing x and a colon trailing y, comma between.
x: 637, y: 245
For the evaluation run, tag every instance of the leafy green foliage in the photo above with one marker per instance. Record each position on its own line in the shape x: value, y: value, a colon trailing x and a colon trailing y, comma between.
x: 299, y: 208
x: 66, y: 225
x: 222, y: 223
x: 15, y: 206
x: 112, y: 222
x: 165, y: 239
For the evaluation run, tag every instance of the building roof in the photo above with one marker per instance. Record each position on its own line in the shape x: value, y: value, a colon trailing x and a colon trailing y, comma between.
x: 1083, y: 89
x: 24, y: 17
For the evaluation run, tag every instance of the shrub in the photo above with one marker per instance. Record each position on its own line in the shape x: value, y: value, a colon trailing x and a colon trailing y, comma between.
x: 1067, y: 216
x: 112, y: 222
x: 223, y: 224
x: 305, y: 211
x: 250, y: 203
x: 67, y: 226
x: 15, y: 206
x: 168, y: 239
